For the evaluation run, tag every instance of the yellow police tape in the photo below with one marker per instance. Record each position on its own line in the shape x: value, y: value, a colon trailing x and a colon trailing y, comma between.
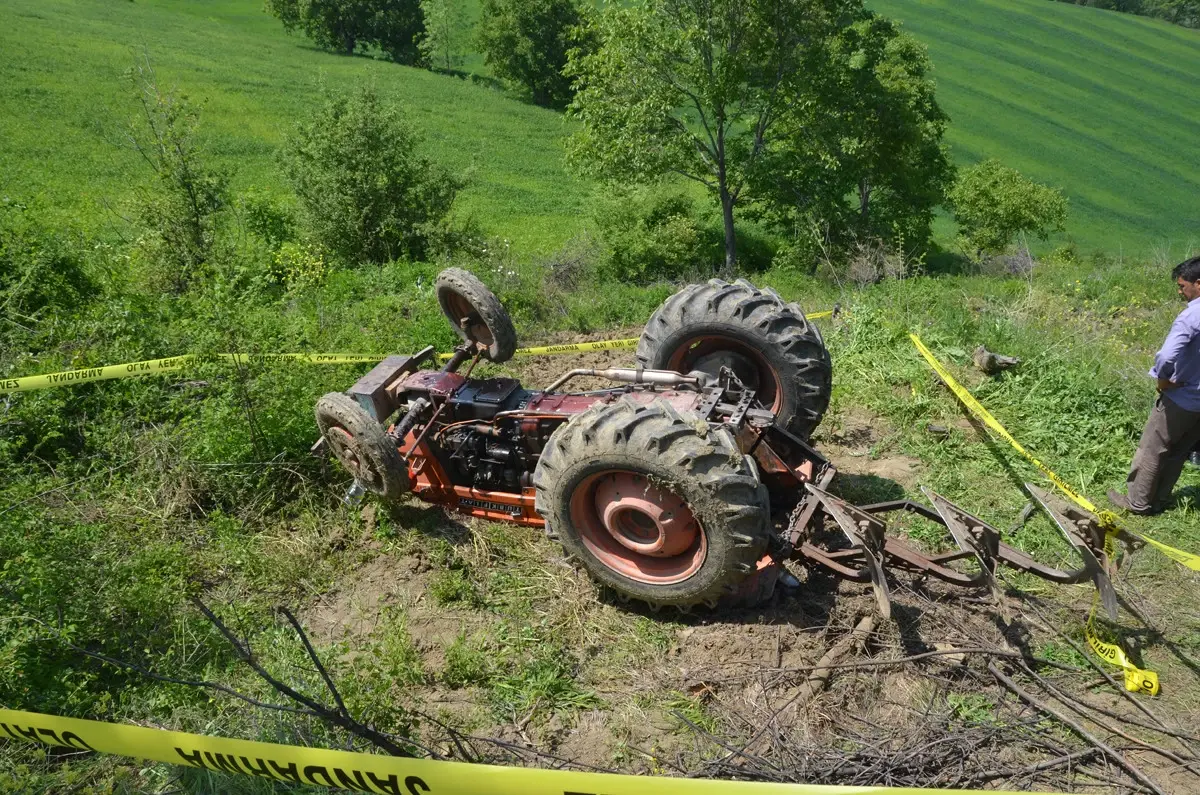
x: 361, y: 772
x: 173, y: 363
x: 1136, y: 679
x: 167, y: 365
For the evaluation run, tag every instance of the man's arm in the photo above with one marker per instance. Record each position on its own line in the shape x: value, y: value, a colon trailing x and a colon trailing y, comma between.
x: 1182, y: 331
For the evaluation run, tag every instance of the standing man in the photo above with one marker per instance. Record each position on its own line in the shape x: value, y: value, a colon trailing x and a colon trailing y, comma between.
x: 1173, y: 428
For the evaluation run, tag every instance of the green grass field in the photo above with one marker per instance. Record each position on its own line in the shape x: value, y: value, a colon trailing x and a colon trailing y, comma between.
x: 64, y: 109
x: 1100, y: 104
x: 119, y: 500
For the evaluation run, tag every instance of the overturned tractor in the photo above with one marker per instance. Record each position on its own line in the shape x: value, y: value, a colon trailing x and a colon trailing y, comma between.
x: 689, y: 482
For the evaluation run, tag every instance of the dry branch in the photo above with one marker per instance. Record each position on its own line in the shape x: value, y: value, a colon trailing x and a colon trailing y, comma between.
x: 1112, y: 753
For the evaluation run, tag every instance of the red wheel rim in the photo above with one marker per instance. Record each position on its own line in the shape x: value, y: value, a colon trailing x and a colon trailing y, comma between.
x: 460, y: 308
x: 748, y: 364
x: 341, y: 443
x: 637, y: 529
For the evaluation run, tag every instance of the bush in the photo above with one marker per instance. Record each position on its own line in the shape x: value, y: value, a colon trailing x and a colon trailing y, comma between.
x: 994, y: 203
x: 299, y: 265
x: 182, y: 208
x: 366, y: 193
x: 394, y: 26
x: 526, y: 43
x: 40, y: 270
x: 265, y: 217
x: 653, y: 235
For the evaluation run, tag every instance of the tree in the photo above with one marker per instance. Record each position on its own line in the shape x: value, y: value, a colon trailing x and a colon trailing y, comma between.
x: 693, y: 87
x: 994, y: 203
x: 394, y: 26
x: 365, y: 192
x: 527, y: 42
x: 446, y: 29
x: 860, y: 155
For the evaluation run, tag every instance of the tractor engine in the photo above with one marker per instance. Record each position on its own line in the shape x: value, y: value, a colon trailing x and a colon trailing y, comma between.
x: 482, y: 457
x: 491, y: 431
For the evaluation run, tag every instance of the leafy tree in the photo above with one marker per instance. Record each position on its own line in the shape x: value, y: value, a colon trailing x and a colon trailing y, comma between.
x: 860, y: 155
x: 365, y: 191
x: 994, y: 203
x: 527, y: 42
x: 394, y: 26
x: 693, y: 87
x: 446, y: 28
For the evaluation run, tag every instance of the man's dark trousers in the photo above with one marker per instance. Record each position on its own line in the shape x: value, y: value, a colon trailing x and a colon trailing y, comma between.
x: 1170, y: 435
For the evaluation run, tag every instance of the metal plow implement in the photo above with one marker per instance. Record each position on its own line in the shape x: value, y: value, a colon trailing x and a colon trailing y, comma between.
x: 872, y: 552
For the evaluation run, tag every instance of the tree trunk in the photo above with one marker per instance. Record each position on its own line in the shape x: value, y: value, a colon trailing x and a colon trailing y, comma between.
x: 727, y: 198
x: 349, y: 42
x: 730, y: 237
x: 864, y: 200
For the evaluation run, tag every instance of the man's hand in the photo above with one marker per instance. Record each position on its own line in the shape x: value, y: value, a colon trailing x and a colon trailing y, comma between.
x: 1165, y: 383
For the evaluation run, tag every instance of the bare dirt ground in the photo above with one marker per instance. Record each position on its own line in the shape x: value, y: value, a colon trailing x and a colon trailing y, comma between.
x: 954, y: 691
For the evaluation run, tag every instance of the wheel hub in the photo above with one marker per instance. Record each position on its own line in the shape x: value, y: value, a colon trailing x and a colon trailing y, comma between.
x: 710, y: 353
x: 640, y: 530
x: 742, y: 366
x: 342, y: 445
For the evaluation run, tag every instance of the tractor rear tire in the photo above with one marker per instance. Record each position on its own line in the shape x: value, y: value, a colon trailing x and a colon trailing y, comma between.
x: 362, y: 446
x: 476, y: 314
x: 767, y: 342
x: 653, y: 503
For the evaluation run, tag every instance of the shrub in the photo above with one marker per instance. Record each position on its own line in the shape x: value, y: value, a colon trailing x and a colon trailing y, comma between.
x: 365, y: 191
x: 653, y: 235
x: 299, y: 265
x: 394, y: 26
x: 526, y: 42
x: 994, y: 203
x: 40, y: 270
x: 181, y: 210
x: 266, y: 217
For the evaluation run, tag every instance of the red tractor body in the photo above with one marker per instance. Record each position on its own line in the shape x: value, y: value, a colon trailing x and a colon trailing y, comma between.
x: 688, y: 482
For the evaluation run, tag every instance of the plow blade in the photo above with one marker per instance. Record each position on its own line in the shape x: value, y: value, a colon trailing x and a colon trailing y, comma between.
x: 1083, y: 531
x: 867, y: 534
x: 972, y: 535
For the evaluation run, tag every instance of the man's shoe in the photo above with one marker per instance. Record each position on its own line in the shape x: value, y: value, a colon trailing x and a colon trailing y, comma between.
x: 1121, y: 501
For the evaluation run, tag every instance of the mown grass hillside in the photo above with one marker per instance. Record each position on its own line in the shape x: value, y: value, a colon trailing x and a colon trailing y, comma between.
x: 65, y: 109
x: 1099, y: 103
x: 1094, y: 102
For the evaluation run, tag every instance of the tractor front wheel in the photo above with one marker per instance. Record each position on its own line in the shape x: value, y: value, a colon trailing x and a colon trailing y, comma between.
x: 361, y: 446
x: 653, y: 503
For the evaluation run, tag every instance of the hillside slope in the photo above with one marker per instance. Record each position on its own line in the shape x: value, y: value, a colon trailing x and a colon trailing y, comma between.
x: 1101, y: 104
x: 64, y: 108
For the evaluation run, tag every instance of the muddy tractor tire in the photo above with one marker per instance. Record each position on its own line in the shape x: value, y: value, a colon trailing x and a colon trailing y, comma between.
x: 476, y: 314
x: 361, y: 446
x: 767, y: 343
x: 653, y: 503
